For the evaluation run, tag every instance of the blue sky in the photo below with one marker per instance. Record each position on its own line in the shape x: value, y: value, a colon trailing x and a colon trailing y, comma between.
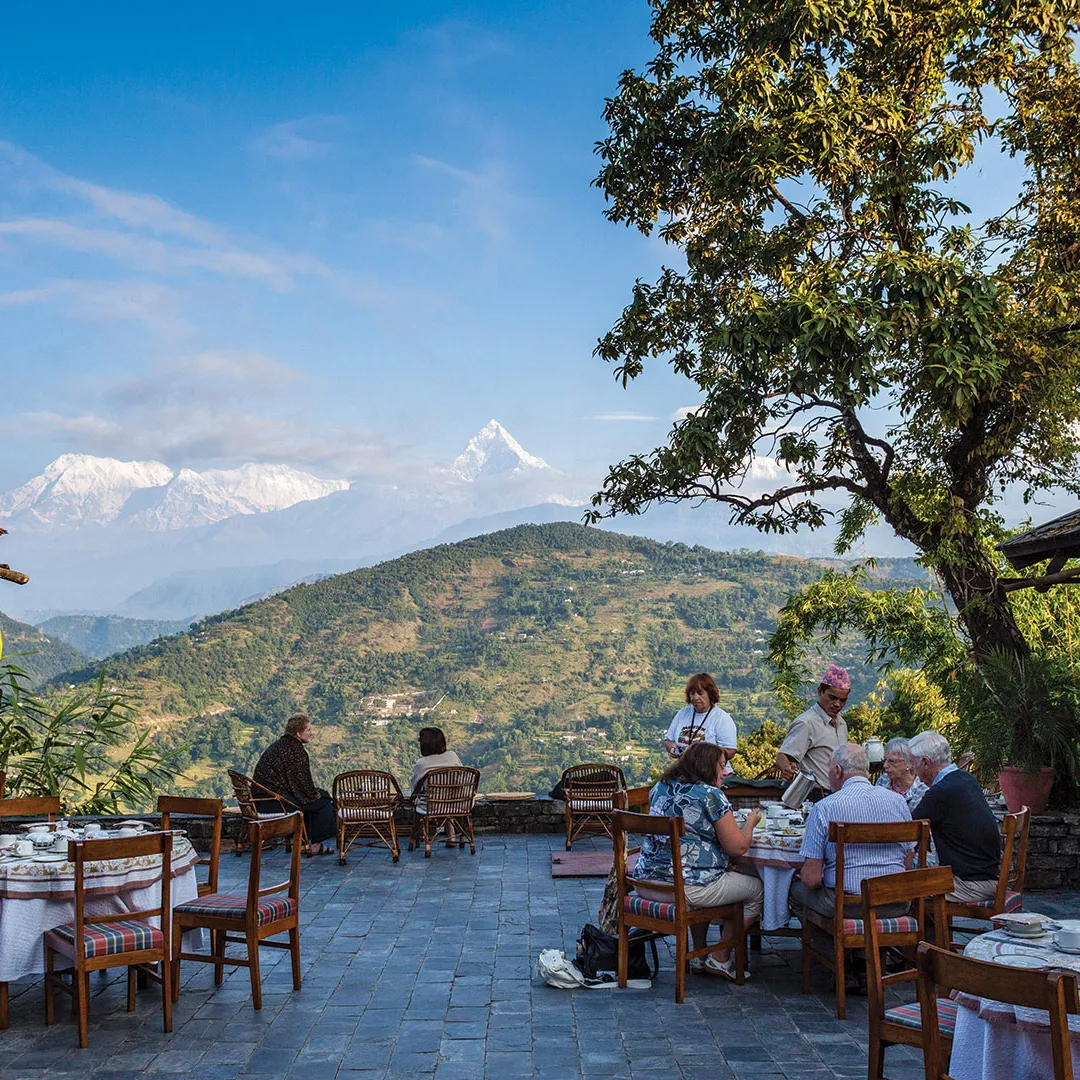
x: 338, y: 236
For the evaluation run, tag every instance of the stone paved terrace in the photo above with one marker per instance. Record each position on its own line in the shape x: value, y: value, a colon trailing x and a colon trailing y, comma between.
x: 425, y: 969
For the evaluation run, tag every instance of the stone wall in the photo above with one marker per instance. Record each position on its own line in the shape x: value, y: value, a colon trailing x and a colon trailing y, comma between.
x: 1053, y: 860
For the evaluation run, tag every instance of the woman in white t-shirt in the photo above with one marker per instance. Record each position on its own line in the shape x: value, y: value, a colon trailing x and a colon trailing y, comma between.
x: 701, y: 720
x: 433, y: 755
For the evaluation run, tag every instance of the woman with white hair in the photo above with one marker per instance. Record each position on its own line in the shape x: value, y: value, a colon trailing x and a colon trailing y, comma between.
x: 899, y: 774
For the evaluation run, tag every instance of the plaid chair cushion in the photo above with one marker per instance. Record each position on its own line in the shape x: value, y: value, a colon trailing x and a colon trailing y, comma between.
x: 1014, y: 901
x: 910, y: 1016
x: 651, y: 909
x: 107, y: 939
x: 906, y: 924
x: 222, y: 905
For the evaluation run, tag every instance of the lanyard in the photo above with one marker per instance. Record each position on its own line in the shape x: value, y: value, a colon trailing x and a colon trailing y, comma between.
x: 694, y: 728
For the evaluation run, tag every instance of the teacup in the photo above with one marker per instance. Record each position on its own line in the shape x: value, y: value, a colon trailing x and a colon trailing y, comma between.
x: 8, y: 840
x: 128, y: 831
x: 24, y: 849
x: 1068, y: 937
x: 91, y: 828
x: 60, y: 844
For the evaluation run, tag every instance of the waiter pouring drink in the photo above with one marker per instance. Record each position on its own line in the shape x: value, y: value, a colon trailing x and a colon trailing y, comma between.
x: 815, y: 734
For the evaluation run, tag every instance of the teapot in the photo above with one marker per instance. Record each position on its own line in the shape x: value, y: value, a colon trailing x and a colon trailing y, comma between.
x: 795, y: 794
x: 875, y: 750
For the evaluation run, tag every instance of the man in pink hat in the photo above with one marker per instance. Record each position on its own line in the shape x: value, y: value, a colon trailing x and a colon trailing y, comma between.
x: 817, y: 733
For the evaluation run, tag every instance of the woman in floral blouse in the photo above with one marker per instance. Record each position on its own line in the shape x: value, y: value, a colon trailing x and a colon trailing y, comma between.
x: 690, y: 789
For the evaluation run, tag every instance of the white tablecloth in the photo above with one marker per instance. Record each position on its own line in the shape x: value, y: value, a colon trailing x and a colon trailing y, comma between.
x: 35, y: 897
x: 774, y: 857
x: 994, y: 1040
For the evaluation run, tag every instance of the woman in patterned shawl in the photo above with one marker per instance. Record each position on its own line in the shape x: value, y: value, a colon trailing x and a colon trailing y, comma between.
x: 690, y: 789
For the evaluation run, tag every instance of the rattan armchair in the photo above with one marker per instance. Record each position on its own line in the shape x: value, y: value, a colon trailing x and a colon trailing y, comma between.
x: 364, y: 805
x: 589, y: 790
x: 249, y: 795
x: 447, y: 796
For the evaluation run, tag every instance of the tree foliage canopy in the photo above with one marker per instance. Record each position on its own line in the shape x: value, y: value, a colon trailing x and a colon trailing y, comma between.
x: 840, y: 311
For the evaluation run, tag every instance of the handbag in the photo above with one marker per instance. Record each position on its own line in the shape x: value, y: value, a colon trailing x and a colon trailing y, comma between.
x: 597, y: 952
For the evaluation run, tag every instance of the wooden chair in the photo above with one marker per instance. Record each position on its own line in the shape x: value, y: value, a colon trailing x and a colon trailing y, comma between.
x: 588, y: 791
x: 364, y: 805
x: 771, y: 773
x: 3, y: 781
x: 258, y: 915
x: 42, y: 806
x: 46, y: 806
x: 449, y: 794
x: 846, y: 934
x: 942, y: 971
x: 127, y: 939
x: 1010, y: 888
x: 208, y: 808
x: 637, y: 800
x: 248, y: 794
x: 666, y: 917
x: 902, y: 1024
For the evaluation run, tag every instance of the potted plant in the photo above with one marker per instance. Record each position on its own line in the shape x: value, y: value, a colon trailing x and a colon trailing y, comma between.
x: 1023, y: 722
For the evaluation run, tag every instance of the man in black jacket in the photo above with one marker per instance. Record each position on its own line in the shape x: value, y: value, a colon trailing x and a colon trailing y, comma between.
x: 965, y: 831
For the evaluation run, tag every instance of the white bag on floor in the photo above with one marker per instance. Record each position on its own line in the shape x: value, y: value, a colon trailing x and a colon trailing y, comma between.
x: 553, y: 967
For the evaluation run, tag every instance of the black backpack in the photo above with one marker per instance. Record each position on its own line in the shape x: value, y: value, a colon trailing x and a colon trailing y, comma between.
x: 597, y: 952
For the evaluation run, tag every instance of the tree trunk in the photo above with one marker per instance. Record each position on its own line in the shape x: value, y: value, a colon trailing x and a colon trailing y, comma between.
x: 983, y: 608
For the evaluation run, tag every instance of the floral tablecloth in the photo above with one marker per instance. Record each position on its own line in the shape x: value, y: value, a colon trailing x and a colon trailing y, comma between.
x: 35, y: 897
x: 774, y: 857
x: 994, y: 1040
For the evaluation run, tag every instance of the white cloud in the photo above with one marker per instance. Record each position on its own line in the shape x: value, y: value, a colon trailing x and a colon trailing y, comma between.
x: 683, y: 411
x: 484, y: 198
x: 615, y: 417
x: 107, y: 301
x: 293, y: 140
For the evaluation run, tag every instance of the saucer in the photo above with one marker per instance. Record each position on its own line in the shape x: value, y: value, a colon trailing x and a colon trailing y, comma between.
x: 51, y: 856
x: 1018, y: 933
x: 1065, y: 949
x: 1021, y: 960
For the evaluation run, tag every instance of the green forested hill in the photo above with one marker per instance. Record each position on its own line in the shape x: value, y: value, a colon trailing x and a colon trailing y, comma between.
x: 534, y: 648
x: 38, y: 654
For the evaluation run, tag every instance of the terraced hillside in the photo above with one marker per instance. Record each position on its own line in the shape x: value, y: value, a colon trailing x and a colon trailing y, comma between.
x: 534, y: 648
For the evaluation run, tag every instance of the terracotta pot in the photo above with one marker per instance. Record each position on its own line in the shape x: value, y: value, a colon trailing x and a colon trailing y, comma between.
x: 1022, y: 788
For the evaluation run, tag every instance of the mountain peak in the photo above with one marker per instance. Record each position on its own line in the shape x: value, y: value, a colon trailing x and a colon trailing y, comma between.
x: 493, y: 451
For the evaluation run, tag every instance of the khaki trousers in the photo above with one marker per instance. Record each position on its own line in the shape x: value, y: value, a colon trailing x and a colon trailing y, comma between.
x: 729, y: 888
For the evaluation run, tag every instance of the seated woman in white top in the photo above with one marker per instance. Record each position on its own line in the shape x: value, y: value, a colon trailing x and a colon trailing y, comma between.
x: 433, y: 755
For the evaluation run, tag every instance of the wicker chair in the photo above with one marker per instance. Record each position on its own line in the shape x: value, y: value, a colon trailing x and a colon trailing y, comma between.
x: 364, y: 805
x: 249, y: 793
x: 448, y: 794
x: 588, y: 791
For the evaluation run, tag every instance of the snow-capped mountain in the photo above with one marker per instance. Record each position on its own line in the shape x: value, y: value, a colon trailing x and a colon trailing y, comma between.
x: 193, y: 498
x: 494, y: 452
x: 77, y: 490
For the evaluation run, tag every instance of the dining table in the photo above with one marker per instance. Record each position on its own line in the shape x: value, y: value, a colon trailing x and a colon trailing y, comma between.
x: 38, y: 893
x: 774, y: 857
x: 994, y: 1040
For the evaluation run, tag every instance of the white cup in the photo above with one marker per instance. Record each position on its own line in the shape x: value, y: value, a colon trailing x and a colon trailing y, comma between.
x: 1069, y: 937
x: 60, y: 844
x: 91, y: 828
x: 24, y: 849
x: 128, y: 832
x: 8, y: 840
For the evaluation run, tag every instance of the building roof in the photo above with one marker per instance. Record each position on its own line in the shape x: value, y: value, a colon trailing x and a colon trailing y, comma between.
x: 1058, y: 538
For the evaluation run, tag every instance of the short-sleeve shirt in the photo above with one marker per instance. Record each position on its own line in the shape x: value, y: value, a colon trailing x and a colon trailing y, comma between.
x: 860, y: 801
x: 700, y: 806
x: 811, y: 740
x: 715, y: 726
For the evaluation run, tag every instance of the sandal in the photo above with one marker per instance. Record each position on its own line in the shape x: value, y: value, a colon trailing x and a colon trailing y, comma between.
x: 724, y: 969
